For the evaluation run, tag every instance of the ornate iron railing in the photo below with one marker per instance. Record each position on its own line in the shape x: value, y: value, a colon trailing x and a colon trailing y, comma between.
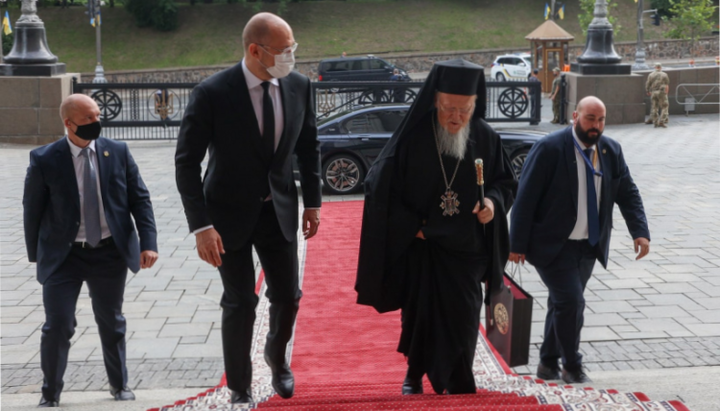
x: 153, y: 111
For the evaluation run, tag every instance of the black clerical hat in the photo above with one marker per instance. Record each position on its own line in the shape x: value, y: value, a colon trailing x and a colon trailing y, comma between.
x: 458, y: 77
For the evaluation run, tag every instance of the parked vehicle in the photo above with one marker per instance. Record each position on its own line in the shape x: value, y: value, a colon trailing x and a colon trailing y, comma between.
x: 367, y: 68
x: 351, y: 141
x: 511, y: 67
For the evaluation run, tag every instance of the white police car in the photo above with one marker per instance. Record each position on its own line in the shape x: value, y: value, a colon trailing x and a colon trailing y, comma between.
x: 511, y: 67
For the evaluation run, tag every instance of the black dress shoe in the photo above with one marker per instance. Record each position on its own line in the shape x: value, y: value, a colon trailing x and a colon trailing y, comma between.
x: 548, y: 373
x: 241, y: 397
x: 412, y: 386
x: 283, y: 380
x: 575, y: 376
x: 122, y: 394
x: 45, y: 403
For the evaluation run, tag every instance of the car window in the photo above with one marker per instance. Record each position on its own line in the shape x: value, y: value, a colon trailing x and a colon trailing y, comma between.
x: 338, y: 66
x: 357, y: 124
x: 360, y: 65
x: 377, y: 65
x: 390, y: 120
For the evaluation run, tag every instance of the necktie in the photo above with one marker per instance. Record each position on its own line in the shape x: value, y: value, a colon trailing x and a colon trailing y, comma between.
x: 592, y: 211
x: 268, y: 122
x: 91, y: 206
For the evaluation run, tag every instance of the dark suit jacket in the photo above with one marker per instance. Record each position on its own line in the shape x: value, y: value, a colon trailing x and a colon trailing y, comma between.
x: 545, y: 211
x: 51, y: 204
x: 220, y: 119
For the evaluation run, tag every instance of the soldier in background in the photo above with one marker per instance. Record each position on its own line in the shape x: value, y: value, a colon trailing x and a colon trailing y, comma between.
x: 555, y: 95
x: 657, y: 87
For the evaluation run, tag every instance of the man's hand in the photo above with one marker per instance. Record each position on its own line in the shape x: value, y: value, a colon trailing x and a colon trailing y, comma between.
x: 210, y: 246
x: 642, y: 245
x: 311, y: 221
x: 517, y: 258
x: 486, y: 214
x: 148, y: 258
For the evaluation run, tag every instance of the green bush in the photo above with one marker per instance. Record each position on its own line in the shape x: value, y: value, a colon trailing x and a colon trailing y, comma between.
x: 159, y: 14
x: 165, y: 15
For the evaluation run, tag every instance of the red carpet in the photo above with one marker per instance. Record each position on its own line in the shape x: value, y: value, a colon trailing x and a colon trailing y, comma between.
x: 344, y: 354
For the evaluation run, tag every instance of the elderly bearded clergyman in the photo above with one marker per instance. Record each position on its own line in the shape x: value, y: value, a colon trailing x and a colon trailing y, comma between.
x: 427, y: 244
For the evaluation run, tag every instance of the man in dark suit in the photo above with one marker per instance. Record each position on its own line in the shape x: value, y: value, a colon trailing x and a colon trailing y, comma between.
x: 251, y: 118
x: 81, y: 196
x: 561, y: 223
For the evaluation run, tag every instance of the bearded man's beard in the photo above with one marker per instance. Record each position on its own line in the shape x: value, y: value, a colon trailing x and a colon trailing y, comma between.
x: 453, y: 144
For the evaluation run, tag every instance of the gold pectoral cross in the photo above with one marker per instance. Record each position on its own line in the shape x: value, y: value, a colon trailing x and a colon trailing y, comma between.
x: 450, y: 203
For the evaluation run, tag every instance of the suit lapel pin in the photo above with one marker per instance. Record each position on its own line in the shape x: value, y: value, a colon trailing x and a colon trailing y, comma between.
x: 604, y: 151
x: 107, y: 154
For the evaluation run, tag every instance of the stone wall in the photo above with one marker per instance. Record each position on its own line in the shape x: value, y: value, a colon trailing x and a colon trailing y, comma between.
x: 420, y: 62
x: 709, y: 76
x: 30, y: 108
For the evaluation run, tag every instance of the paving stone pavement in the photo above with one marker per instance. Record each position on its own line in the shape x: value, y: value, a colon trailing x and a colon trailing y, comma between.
x: 660, y: 312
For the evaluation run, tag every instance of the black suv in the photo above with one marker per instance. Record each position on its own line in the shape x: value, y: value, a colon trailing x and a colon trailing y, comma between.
x: 368, y: 68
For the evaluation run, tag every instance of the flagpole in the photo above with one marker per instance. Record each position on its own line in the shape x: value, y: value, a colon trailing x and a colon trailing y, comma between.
x: 99, y: 71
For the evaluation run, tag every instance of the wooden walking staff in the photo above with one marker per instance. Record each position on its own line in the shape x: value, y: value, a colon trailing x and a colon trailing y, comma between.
x: 480, y: 181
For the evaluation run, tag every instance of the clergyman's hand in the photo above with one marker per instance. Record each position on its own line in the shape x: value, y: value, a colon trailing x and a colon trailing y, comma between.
x: 642, y: 245
x: 148, y: 258
x: 486, y: 214
x: 517, y: 258
x: 210, y: 246
x: 311, y: 222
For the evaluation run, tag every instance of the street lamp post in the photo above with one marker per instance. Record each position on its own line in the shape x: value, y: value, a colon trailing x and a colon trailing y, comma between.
x: 99, y: 71
x: 640, y: 49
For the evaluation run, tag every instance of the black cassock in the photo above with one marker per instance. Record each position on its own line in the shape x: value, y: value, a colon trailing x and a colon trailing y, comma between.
x: 436, y: 281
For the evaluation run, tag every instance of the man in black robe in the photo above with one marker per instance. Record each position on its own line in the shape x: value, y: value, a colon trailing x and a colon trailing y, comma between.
x: 428, y: 240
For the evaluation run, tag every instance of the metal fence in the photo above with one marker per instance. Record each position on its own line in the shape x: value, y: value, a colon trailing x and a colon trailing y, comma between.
x: 154, y: 111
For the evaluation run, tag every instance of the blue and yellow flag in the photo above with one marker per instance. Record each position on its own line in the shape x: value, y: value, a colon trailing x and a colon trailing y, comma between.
x: 561, y: 12
x: 7, y: 28
x: 547, y: 11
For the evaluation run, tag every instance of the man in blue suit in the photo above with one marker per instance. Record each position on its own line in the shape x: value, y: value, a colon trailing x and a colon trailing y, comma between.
x: 81, y: 196
x: 561, y: 223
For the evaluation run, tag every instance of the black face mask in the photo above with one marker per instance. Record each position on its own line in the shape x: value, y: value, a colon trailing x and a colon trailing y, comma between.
x: 89, y: 131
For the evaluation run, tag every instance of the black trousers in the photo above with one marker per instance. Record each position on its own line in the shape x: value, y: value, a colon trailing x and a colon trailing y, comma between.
x: 279, y: 261
x: 105, y: 271
x: 566, y: 278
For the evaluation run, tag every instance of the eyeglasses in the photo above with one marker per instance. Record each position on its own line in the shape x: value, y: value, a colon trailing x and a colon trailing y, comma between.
x: 454, y: 110
x: 286, y: 50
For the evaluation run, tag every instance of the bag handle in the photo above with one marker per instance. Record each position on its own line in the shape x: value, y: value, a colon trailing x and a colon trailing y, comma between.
x: 514, y: 270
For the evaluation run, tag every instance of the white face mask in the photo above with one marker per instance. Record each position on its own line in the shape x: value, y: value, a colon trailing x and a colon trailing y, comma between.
x: 284, y: 64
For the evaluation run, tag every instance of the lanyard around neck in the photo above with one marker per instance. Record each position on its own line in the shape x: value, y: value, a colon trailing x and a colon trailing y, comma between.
x: 587, y: 160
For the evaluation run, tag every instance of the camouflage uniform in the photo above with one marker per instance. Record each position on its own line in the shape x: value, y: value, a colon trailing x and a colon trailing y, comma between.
x: 556, y: 100
x: 656, y: 83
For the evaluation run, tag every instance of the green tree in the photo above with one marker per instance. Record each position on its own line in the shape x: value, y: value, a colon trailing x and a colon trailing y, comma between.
x: 693, y: 18
x: 585, y: 17
x: 662, y: 6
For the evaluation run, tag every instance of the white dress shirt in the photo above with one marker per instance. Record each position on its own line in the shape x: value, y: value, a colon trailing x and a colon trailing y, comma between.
x: 254, y: 85
x: 580, y: 232
x: 79, y: 163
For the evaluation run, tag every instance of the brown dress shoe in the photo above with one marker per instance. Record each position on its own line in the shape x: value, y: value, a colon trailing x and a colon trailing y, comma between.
x: 649, y: 121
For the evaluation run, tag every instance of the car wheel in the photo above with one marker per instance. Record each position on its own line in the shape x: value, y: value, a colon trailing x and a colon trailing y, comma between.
x: 500, y: 77
x: 343, y: 174
x: 517, y: 159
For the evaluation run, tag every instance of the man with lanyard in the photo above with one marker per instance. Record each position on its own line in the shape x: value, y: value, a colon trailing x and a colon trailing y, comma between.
x: 561, y: 223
